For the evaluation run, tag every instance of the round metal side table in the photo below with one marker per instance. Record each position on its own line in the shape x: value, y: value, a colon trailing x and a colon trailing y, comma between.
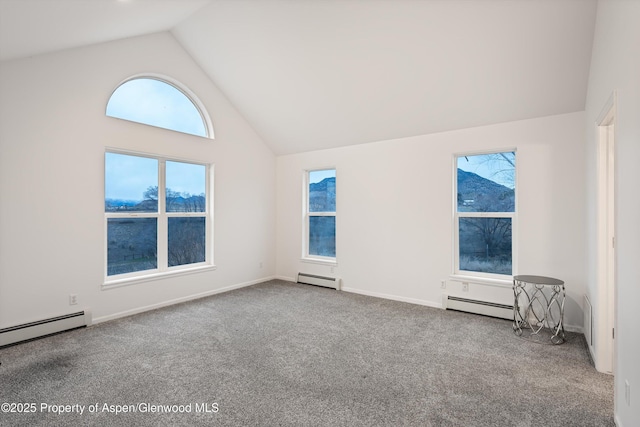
x: 538, y: 308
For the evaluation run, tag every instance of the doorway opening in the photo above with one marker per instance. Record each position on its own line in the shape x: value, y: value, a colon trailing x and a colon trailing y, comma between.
x: 606, y: 265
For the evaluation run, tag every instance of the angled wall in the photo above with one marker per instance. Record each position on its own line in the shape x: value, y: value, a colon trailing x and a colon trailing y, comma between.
x: 53, y: 134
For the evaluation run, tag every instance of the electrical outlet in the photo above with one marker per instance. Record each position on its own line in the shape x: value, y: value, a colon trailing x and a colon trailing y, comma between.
x: 73, y: 299
x: 627, y: 392
x: 443, y: 284
x: 332, y: 270
x: 465, y: 287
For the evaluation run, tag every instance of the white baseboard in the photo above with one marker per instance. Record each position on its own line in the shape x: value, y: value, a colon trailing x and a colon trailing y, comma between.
x: 179, y: 300
x: 568, y: 328
x: 616, y: 420
x: 574, y: 328
x: 393, y: 297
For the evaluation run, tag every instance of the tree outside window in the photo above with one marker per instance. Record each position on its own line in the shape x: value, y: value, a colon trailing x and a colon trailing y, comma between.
x: 321, y: 214
x: 156, y: 214
x: 485, y: 212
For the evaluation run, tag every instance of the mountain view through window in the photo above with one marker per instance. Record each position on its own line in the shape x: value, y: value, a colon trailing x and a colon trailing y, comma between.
x: 322, y: 213
x: 485, y: 212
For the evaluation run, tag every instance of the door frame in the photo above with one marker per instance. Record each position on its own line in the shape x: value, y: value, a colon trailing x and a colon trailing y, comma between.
x: 605, y: 313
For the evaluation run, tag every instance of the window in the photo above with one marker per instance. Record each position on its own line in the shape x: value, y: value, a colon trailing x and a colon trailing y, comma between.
x: 320, y: 215
x: 157, y: 215
x: 485, y: 213
x: 156, y: 102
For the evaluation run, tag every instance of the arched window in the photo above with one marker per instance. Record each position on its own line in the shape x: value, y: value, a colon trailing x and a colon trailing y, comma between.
x: 157, y: 102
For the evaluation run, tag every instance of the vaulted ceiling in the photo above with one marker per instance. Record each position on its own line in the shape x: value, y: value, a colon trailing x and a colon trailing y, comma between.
x: 315, y: 74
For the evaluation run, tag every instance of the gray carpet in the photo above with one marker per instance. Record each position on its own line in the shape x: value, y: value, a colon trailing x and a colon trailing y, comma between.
x: 283, y: 354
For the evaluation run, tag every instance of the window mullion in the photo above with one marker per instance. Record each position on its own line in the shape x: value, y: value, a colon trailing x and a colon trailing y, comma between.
x: 486, y: 214
x: 456, y: 243
x: 322, y: 214
x: 209, y: 186
x: 131, y: 215
x: 319, y: 238
x: 185, y: 214
x: 148, y: 240
x: 163, y: 228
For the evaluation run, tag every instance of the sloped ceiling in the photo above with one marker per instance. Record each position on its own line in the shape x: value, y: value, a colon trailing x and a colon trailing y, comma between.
x: 315, y: 74
x: 32, y: 27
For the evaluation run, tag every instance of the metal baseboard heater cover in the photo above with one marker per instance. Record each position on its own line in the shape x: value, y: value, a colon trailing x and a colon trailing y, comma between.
x: 42, y: 328
x: 485, y: 308
x: 588, y: 322
x: 312, y: 279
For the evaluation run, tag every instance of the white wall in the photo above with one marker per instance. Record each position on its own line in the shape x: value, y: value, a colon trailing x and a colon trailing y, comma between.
x: 615, y: 66
x: 53, y: 134
x: 394, y: 210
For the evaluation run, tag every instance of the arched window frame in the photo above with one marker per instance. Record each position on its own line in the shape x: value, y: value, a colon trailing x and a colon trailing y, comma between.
x: 191, y: 96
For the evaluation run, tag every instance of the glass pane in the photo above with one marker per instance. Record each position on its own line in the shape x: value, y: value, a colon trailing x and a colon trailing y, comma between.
x: 486, y: 182
x: 156, y: 103
x: 132, y: 245
x: 186, y: 241
x: 131, y: 183
x: 322, y: 236
x: 186, y: 186
x: 322, y: 191
x: 485, y: 245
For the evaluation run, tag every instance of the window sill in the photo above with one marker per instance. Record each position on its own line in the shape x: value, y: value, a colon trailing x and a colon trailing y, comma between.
x: 117, y: 283
x: 489, y: 281
x: 321, y: 261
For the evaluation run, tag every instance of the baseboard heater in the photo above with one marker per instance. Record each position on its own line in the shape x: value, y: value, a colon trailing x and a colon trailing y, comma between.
x: 42, y: 328
x: 485, y: 308
x: 588, y: 322
x: 312, y: 279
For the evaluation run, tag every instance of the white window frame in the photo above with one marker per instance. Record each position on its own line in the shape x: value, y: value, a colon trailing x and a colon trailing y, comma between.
x: 162, y: 217
x: 319, y: 259
x: 188, y: 93
x: 488, y: 278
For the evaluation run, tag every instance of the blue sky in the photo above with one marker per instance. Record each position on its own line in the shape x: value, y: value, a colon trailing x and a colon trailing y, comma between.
x: 156, y: 103
x: 319, y: 175
x: 186, y: 178
x: 128, y: 177
x: 160, y: 104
